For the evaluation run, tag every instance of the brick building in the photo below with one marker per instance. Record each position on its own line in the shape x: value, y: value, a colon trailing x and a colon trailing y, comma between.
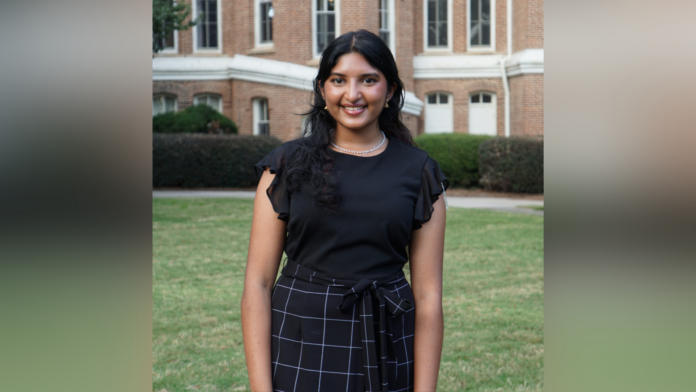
x: 469, y: 66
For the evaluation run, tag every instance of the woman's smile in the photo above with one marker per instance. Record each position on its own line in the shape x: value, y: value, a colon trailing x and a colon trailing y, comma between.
x: 353, y: 110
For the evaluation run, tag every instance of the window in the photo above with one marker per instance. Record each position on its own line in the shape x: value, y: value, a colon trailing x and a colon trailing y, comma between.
x: 169, y: 43
x: 482, y: 114
x: 261, y: 117
x: 264, y: 22
x: 386, y: 22
x: 305, y: 124
x: 437, y: 24
x: 481, y: 19
x: 212, y: 100
x: 162, y: 103
x: 439, y: 113
x: 206, y: 34
x: 325, y: 24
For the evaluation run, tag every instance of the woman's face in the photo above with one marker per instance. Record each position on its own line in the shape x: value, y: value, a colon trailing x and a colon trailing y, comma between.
x: 355, y: 93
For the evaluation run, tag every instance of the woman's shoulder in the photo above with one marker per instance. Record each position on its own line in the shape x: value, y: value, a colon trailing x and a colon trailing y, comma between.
x: 291, y: 146
x: 410, y: 152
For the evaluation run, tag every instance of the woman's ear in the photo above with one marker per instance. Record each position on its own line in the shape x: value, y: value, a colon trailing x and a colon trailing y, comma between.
x: 391, y: 91
x: 321, y: 88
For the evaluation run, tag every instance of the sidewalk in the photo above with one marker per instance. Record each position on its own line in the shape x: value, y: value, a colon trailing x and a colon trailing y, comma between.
x: 486, y: 203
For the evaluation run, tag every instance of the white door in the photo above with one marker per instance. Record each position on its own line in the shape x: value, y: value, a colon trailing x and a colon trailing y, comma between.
x: 438, y: 113
x: 482, y: 114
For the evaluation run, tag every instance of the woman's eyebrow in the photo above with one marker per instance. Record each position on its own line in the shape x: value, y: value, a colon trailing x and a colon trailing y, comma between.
x: 363, y: 75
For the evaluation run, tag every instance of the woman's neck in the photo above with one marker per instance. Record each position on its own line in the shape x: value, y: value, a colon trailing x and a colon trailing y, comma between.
x: 363, y: 139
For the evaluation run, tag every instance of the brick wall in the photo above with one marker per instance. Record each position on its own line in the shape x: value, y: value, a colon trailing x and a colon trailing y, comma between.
x: 292, y: 31
x: 404, y: 17
x: 460, y: 90
x: 527, y: 24
x: 527, y: 105
x: 185, y: 91
x: 284, y: 106
x: 360, y: 14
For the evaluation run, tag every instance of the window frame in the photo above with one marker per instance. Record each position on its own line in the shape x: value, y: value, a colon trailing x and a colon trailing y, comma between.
x: 449, y: 47
x: 165, y: 95
x: 198, y: 96
x: 175, y: 49
x: 477, y: 48
x: 257, y: 112
x: 257, y: 24
x: 337, y: 13
x: 194, y: 13
x: 391, y: 20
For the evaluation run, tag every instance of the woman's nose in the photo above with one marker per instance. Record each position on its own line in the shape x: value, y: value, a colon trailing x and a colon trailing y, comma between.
x: 353, y: 92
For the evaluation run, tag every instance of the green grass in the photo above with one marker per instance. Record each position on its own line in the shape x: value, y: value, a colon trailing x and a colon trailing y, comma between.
x: 493, y: 298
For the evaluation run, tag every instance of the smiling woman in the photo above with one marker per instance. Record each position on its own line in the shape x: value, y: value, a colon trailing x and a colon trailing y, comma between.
x: 350, y: 203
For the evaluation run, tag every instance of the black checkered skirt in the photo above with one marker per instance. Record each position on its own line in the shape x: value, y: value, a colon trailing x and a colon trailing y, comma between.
x: 333, y: 335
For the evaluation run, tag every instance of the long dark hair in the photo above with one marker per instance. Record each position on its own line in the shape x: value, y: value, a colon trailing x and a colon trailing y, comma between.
x: 311, y: 168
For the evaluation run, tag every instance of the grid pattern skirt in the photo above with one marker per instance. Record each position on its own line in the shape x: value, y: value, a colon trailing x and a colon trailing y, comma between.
x: 335, y: 335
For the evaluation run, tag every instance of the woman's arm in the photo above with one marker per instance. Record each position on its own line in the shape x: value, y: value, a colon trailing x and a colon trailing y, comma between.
x: 266, y: 245
x: 426, y: 252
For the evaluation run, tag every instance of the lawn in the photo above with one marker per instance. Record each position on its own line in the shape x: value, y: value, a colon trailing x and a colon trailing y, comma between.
x: 493, y: 298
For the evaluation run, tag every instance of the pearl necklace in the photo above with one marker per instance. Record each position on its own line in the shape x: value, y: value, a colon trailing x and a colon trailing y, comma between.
x: 362, y: 152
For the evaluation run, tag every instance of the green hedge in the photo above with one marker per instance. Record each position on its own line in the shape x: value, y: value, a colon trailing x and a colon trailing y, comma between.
x: 208, y: 161
x: 193, y: 119
x: 512, y: 165
x: 457, y: 154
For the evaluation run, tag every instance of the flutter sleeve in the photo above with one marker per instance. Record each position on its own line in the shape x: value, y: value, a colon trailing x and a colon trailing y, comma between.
x: 433, y: 184
x: 277, y: 192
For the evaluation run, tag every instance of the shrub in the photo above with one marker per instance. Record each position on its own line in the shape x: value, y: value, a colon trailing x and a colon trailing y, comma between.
x: 202, y: 161
x: 512, y: 165
x: 457, y: 154
x: 193, y: 119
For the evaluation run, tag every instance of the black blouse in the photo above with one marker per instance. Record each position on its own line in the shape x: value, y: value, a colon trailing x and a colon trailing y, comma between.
x: 383, y: 198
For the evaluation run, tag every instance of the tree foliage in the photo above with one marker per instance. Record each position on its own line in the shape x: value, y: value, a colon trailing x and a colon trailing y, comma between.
x: 168, y: 16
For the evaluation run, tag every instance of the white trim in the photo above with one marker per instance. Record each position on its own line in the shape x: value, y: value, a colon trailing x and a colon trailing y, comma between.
x: 412, y: 105
x: 509, y: 28
x: 456, y: 67
x: 256, y: 110
x: 251, y: 69
x: 194, y: 14
x: 392, y: 25
x: 449, y: 47
x: 479, y: 49
x: 257, y: 28
x: 528, y: 61
x: 506, y: 91
x: 337, y: 24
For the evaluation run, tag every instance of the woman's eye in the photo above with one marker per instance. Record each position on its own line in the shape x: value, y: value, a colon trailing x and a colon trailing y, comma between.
x: 337, y: 80
x: 370, y: 81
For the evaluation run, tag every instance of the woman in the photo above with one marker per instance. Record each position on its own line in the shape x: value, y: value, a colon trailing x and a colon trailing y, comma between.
x: 345, y: 202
